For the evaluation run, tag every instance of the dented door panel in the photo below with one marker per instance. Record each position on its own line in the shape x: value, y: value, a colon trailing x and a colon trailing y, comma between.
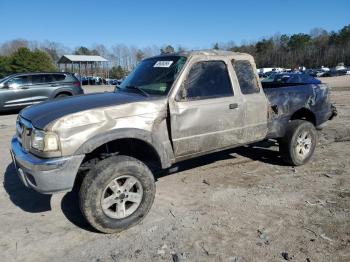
x: 210, y: 124
x: 205, y: 125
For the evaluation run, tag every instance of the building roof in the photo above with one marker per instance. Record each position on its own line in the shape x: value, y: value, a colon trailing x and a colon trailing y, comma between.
x: 81, y: 58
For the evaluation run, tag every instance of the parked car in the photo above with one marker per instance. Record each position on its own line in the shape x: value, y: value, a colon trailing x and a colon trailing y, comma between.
x: 339, y: 72
x: 289, y: 79
x: 311, y: 72
x: 113, y: 82
x: 88, y: 80
x: 20, y: 90
x: 332, y: 73
x: 267, y: 74
x: 171, y: 108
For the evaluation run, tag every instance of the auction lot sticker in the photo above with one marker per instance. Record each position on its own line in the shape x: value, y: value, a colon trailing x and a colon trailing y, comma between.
x: 163, y: 64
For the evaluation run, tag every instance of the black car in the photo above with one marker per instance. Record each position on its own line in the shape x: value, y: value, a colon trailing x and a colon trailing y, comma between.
x: 288, y: 79
x: 311, y: 72
x: 24, y: 89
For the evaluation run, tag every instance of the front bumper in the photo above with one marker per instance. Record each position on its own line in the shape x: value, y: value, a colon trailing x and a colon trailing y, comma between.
x: 45, y: 175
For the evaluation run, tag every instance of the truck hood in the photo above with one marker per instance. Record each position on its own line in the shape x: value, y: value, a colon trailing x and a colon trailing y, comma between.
x: 45, y: 113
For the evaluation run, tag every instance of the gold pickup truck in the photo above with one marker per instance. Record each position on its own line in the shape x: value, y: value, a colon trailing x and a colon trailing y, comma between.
x: 170, y: 108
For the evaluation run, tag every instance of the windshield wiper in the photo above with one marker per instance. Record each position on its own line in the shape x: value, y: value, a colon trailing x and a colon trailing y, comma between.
x: 143, y: 92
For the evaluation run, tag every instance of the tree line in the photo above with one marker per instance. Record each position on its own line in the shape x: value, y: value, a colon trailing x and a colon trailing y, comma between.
x: 316, y: 49
x: 21, y: 55
x: 313, y: 50
x: 25, y: 60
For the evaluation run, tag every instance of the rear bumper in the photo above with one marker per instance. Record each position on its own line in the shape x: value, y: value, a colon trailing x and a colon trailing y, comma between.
x: 45, y: 175
x: 328, y: 115
x: 334, y: 112
x: 80, y: 91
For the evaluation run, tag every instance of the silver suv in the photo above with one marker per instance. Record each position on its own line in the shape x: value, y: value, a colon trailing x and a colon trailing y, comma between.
x: 20, y: 90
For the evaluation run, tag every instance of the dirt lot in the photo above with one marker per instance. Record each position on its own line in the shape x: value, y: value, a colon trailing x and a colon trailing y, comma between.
x: 237, y: 205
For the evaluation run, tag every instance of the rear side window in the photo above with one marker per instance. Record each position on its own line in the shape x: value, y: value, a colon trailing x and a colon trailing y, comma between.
x: 41, y: 79
x: 208, y: 79
x: 246, y: 76
x: 58, y: 77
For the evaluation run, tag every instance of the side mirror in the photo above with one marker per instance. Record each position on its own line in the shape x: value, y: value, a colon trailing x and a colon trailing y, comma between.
x: 182, y: 94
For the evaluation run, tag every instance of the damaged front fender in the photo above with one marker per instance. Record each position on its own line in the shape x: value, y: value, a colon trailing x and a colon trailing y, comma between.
x: 163, y: 150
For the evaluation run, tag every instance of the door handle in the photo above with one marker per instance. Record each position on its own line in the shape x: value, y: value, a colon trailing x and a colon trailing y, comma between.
x: 54, y: 85
x: 24, y: 87
x: 233, y: 106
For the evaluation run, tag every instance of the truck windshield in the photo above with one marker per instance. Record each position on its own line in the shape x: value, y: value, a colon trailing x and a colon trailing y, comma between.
x: 154, y: 76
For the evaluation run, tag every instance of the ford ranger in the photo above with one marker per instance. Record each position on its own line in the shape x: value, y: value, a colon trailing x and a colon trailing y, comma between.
x: 170, y: 108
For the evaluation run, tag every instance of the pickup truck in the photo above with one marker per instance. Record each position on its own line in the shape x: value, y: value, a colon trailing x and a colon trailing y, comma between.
x: 171, y: 108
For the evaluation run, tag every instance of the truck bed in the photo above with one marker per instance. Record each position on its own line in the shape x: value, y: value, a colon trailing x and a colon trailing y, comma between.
x: 287, y: 101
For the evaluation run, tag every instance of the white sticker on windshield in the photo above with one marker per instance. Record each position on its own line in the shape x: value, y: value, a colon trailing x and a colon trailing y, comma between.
x: 163, y: 64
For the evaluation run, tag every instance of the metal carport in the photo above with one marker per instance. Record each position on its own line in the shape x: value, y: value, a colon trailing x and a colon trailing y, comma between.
x: 84, y: 65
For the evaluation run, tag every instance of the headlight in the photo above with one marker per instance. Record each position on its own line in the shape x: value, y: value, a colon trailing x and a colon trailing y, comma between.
x: 44, y: 141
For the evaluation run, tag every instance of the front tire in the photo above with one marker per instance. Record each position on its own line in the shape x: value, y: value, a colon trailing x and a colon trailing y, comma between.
x: 117, y: 194
x: 299, y: 142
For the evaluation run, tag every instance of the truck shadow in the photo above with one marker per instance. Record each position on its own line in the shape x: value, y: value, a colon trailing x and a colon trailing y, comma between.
x: 71, y: 210
x: 26, y: 199
x: 257, y: 152
x: 261, y: 151
x: 31, y: 201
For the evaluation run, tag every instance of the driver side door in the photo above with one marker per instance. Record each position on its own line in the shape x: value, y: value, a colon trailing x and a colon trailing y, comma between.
x: 14, y: 92
x: 207, y: 114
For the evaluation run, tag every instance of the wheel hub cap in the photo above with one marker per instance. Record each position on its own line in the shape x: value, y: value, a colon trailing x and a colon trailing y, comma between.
x: 121, y: 197
x: 304, y: 143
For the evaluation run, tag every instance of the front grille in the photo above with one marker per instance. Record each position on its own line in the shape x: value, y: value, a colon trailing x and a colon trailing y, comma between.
x: 23, y: 132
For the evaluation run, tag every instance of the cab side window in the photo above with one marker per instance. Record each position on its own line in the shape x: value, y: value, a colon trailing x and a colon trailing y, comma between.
x: 207, y: 79
x: 246, y: 77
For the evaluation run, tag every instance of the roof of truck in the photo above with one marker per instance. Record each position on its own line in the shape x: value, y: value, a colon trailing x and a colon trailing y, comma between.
x: 211, y: 52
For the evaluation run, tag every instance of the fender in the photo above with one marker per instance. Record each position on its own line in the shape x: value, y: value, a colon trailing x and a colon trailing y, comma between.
x: 164, y: 150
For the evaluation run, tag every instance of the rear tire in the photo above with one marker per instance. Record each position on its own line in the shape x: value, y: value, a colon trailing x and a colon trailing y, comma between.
x: 59, y: 96
x: 299, y: 142
x: 117, y: 194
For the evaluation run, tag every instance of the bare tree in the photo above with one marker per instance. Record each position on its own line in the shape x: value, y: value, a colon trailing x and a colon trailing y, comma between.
x: 101, y: 50
x: 54, y: 49
x: 12, y: 46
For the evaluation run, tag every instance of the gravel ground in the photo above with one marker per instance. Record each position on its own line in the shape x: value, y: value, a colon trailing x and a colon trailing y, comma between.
x: 96, y: 89
x: 339, y: 83
x: 237, y: 205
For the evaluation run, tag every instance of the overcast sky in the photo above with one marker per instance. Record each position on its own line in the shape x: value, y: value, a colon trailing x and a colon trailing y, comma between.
x: 193, y: 24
